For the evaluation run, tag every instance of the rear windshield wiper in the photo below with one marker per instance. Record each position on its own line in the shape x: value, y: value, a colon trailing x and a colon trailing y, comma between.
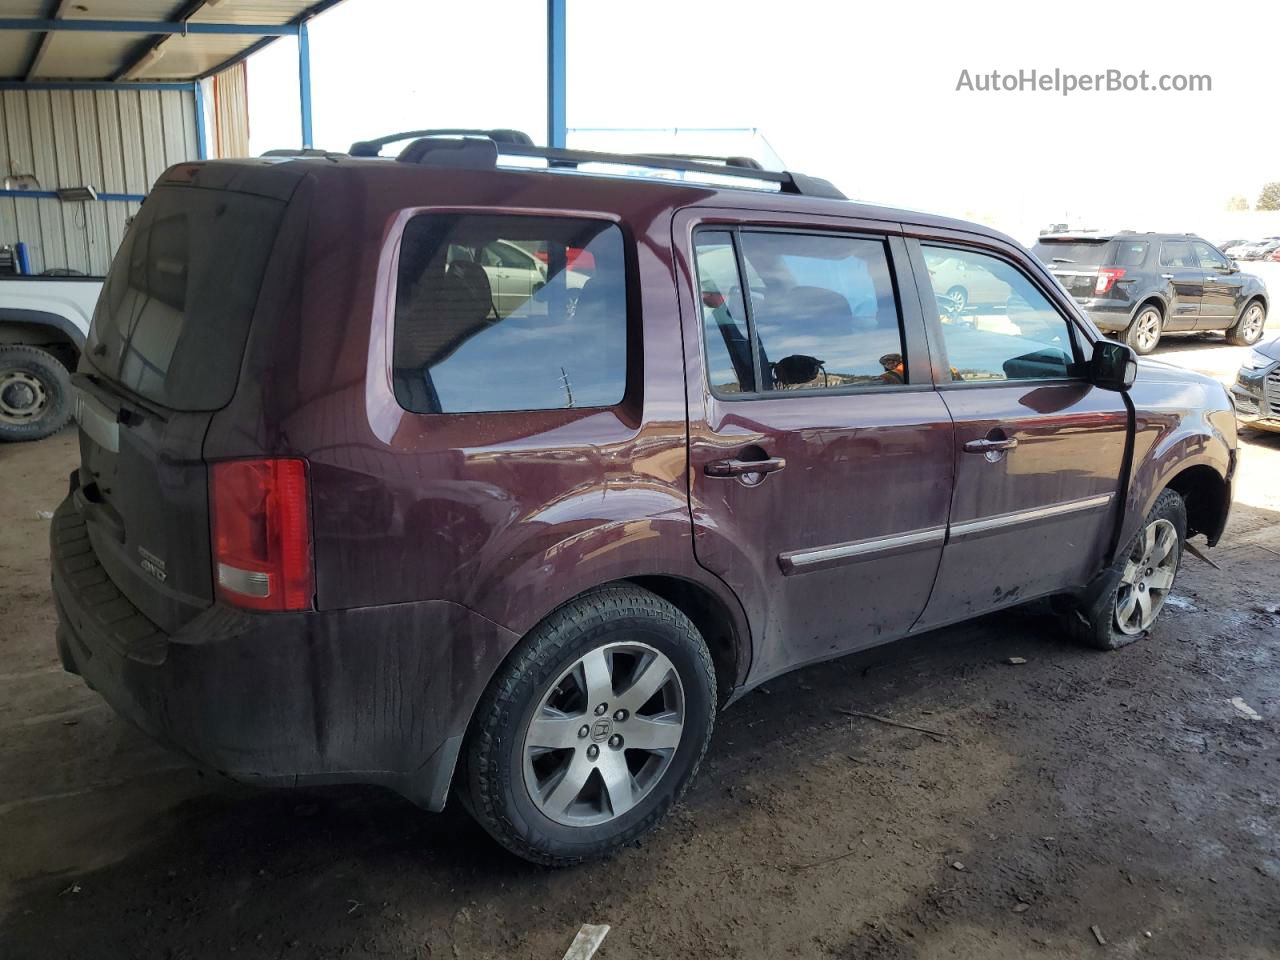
x: 1062, y: 260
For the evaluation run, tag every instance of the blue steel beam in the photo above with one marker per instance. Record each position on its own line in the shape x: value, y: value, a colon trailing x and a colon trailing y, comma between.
x: 53, y: 195
x: 556, y: 132
x: 96, y: 85
x: 202, y: 134
x: 151, y: 26
x: 304, y: 84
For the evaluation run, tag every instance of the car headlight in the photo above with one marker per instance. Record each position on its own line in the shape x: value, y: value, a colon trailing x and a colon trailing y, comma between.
x: 1256, y: 360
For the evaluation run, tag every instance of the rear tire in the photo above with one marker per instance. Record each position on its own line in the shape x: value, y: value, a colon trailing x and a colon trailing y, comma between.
x: 1125, y: 600
x: 555, y: 795
x: 1248, y: 330
x: 35, y: 393
x: 1144, y: 331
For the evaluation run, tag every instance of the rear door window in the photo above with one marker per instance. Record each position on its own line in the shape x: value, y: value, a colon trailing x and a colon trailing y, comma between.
x: 724, y: 315
x: 493, y: 313
x: 822, y: 313
x: 1177, y: 253
x: 171, y: 323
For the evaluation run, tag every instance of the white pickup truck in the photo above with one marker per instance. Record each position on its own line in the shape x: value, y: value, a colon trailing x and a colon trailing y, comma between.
x: 43, y: 324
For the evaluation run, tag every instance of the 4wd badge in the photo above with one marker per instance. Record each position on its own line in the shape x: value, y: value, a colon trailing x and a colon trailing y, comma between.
x: 152, y: 564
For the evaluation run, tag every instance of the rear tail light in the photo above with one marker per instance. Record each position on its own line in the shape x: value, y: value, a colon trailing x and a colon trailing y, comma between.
x: 1107, y: 277
x: 262, y: 533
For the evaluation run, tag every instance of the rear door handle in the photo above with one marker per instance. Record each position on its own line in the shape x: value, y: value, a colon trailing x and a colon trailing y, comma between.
x: 988, y: 445
x: 741, y: 468
x: 1166, y: 276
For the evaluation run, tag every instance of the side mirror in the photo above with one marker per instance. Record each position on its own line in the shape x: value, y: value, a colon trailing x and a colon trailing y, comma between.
x: 1114, y: 366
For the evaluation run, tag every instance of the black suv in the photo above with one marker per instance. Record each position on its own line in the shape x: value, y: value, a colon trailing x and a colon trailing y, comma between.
x: 1143, y: 285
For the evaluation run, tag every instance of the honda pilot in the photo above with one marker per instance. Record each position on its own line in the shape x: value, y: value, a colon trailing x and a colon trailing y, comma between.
x: 348, y: 511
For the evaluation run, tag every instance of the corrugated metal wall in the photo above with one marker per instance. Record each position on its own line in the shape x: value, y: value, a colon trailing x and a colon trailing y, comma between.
x: 114, y: 141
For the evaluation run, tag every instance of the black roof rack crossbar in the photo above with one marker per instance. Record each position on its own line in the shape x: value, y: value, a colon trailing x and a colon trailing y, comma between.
x: 371, y: 148
x: 428, y: 150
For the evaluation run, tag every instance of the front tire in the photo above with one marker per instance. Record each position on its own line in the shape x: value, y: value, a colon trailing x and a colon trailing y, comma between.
x: 1128, y: 596
x: 1143, y: 333
x: 592, y: 729
x: 1248, y: 329
x: 35, y: 393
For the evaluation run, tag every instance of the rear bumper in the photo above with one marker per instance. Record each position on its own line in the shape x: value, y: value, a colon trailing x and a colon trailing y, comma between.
x: 1106, y: 316
x: 372, y: 695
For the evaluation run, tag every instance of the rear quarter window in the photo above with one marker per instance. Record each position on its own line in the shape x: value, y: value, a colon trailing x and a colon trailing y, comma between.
x: 498, y: 313
x: 1131, y: 253
x: 171, y: 323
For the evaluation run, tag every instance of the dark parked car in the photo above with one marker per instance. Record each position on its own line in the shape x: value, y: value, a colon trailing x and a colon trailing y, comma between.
x: 1144, y: 285
x: 1256, y: 391
x: 338, y: 518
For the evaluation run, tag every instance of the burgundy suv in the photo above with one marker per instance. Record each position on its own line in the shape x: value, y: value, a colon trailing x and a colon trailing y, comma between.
x: 345, y: 513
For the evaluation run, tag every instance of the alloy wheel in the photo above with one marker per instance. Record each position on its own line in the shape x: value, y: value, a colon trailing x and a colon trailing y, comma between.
x: 1251, y: 326
x: 1147, y: 577
x: 604, y: 734
x: 22, y: 397
x: 1148, y: 330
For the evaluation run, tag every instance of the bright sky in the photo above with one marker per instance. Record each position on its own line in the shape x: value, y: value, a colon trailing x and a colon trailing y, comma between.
x: 861, y: 93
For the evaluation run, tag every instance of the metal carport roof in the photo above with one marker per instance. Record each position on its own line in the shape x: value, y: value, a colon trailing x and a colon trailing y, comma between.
x: 109, y: 44
x: 116, y: 40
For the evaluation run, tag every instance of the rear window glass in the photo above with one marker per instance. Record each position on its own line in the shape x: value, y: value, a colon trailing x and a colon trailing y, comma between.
x: 501, y: 313
x: 1090, y: 254
x: 174, y: 313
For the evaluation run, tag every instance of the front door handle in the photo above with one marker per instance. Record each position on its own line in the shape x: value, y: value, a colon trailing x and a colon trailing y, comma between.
x: 742, y: 468
x: 1166, y: 276
x: 989, y: 445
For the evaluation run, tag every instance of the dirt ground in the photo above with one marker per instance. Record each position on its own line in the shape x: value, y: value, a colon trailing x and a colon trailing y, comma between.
x: 1123, y: 792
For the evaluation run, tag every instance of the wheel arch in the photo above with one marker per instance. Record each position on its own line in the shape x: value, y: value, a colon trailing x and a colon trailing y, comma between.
x: 718, y: 617
x: 1156, y: 300
x: 730, y: 649
x: 1207, y: 495
x: 40, y: 328
x: 1257, y: 297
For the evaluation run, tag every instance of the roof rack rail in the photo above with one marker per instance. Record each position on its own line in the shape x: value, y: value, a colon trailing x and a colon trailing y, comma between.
x: 749, y: 162
x: 478, y: 150
x: 306, y: 152
x: 371, y: 148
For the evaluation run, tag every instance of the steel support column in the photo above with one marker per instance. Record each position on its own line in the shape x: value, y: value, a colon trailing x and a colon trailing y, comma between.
x: 202, y: 133
x: 304, y: 84
x: 556, y: 132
